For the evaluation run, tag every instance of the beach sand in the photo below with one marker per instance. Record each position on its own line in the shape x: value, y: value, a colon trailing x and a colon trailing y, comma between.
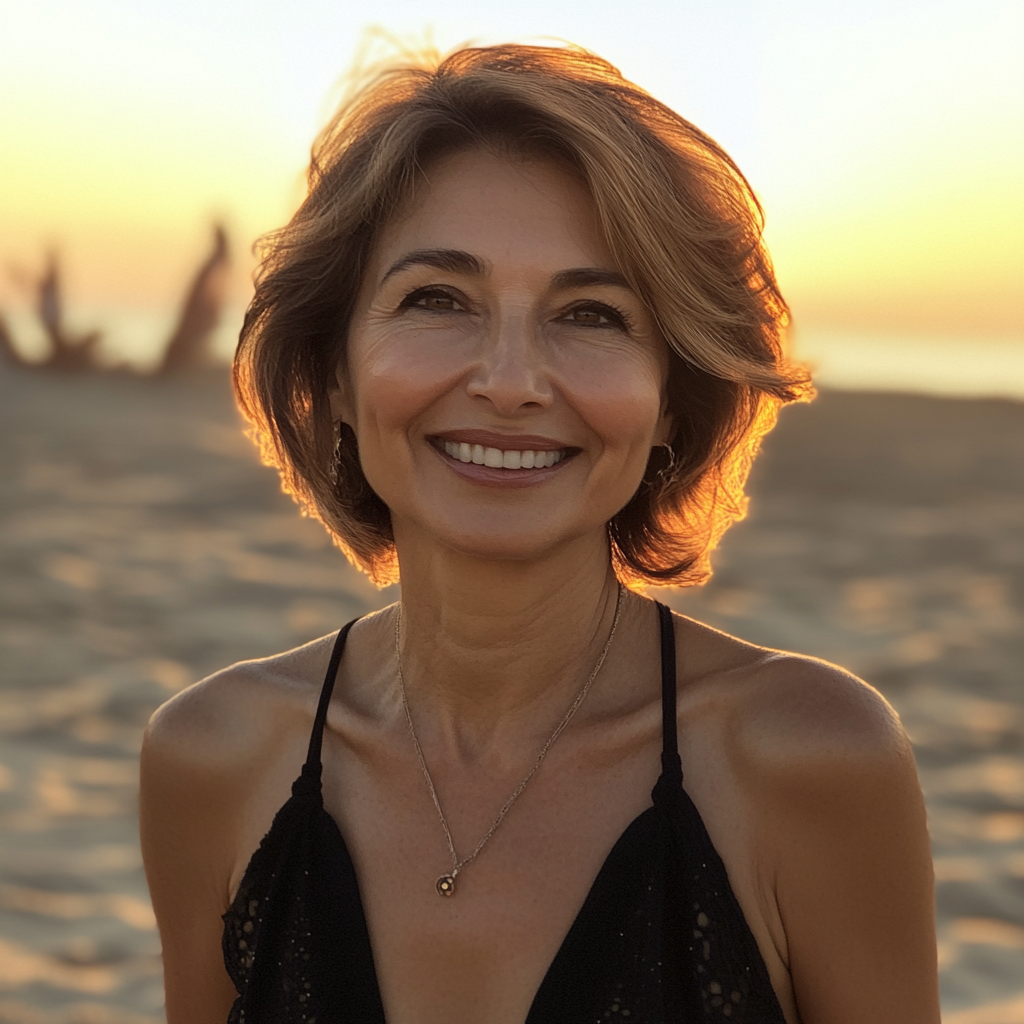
x: 142, y: 546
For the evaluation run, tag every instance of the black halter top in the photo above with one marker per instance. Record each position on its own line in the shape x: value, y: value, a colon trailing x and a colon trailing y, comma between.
x: 660, y: 938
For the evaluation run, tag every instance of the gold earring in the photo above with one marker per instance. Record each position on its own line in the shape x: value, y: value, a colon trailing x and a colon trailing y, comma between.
x: 670, y: 468
x: 335, y: 452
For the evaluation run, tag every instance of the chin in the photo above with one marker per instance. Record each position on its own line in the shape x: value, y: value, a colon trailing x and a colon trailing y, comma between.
x: 506, y: 537
x: 510, y: 546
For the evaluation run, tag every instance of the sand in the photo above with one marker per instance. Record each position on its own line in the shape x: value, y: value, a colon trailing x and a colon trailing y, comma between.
x: 142, y: 546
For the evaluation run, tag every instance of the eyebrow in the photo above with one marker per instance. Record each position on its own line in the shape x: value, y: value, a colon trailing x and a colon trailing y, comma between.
x: 455, y: 261
x: 458, y: 261
x: 585, y: 277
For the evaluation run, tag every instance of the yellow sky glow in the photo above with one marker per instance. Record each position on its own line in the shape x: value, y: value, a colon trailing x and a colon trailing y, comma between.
x: 892, y: 174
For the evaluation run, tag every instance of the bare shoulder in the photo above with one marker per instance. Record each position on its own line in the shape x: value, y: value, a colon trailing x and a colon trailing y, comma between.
x: 794, y: 715
x: 227, y: 719
x: 834, y: 851
x: 812, y: 724
x: 207, y: 755
x: 216, y: 763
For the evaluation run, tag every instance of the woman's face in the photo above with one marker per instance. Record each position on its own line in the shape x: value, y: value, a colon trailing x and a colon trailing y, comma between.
x: 504, y: 382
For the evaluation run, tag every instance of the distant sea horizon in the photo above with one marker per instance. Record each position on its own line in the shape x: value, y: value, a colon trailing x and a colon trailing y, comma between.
x: 959, y: 367
x: 848, y: 360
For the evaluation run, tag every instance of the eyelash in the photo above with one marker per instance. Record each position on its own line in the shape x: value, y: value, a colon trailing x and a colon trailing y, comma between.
x: 433, y: 292
x: 619, y: 317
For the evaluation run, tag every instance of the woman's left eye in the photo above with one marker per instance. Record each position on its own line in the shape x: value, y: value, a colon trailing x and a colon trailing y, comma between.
x: 597, y: 315
x: 437, y: 302
x: 433, y: 299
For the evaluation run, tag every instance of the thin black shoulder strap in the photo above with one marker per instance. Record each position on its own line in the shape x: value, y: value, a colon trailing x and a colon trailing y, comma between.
x: 312, y: 767
x: 669, y: 743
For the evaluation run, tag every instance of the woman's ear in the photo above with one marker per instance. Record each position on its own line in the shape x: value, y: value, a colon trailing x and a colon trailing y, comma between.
x: 666, y: 426
x: 340, y: 398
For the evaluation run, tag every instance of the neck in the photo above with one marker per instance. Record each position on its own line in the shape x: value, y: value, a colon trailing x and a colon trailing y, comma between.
x: 492, y: 650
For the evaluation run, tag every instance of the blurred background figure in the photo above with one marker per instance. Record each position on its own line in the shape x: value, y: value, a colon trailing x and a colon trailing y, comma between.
x: 69, y: 351
x: 189, y: 346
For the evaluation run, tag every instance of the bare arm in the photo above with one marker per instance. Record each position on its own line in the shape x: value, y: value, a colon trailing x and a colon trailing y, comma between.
x: 189, y: 813
x: 218, y: 762
x: 846, y: 829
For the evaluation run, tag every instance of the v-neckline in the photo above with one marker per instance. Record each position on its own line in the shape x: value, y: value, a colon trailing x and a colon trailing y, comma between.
x: 308, y: 785
x: 636, y: 826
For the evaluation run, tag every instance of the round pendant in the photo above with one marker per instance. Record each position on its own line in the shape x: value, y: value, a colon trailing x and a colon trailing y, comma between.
x: 446, y: 885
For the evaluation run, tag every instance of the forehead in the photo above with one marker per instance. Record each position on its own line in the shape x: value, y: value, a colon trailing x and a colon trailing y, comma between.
x: 504, y: 209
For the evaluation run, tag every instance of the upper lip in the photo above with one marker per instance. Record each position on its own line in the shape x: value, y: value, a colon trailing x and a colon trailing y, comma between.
x: 504, y: 442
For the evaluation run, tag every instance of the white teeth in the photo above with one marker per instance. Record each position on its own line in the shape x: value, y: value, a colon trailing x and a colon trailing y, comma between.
x: 498, y: 459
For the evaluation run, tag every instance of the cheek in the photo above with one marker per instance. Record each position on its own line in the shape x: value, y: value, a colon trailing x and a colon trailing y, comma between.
x: 396, y: 378
x: 621, y: 400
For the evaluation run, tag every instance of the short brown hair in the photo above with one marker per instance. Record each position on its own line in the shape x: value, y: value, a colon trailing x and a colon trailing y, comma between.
x: 682, y: 223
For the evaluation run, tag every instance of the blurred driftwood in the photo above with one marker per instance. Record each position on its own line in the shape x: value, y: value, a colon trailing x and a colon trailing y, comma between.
x: 8, y: 350
x: 188, y: 346
x: 68, y: 351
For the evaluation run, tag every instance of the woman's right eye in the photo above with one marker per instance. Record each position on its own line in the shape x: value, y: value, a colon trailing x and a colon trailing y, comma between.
x: 432, y: 299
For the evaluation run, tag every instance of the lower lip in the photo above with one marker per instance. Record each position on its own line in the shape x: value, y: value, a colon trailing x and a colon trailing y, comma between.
x: 492, y: 477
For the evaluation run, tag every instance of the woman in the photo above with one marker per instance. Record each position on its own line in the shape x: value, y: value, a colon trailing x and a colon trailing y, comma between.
x: 517, y: 349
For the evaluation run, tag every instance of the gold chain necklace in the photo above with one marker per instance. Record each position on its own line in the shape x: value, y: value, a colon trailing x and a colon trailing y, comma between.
x: 445, y: 885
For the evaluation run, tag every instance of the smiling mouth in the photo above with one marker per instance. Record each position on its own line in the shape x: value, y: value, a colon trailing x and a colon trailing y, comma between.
x: 497, y: 458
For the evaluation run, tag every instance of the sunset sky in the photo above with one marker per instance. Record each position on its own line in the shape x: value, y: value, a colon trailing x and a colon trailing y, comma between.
x: 885, y: 139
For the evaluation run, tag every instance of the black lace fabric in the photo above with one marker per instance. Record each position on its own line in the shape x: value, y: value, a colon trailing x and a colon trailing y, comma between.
x: 295, y: 939
x: 660, y: 938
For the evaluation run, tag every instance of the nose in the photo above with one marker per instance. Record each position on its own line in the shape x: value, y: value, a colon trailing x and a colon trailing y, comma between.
x: 512, y: 373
